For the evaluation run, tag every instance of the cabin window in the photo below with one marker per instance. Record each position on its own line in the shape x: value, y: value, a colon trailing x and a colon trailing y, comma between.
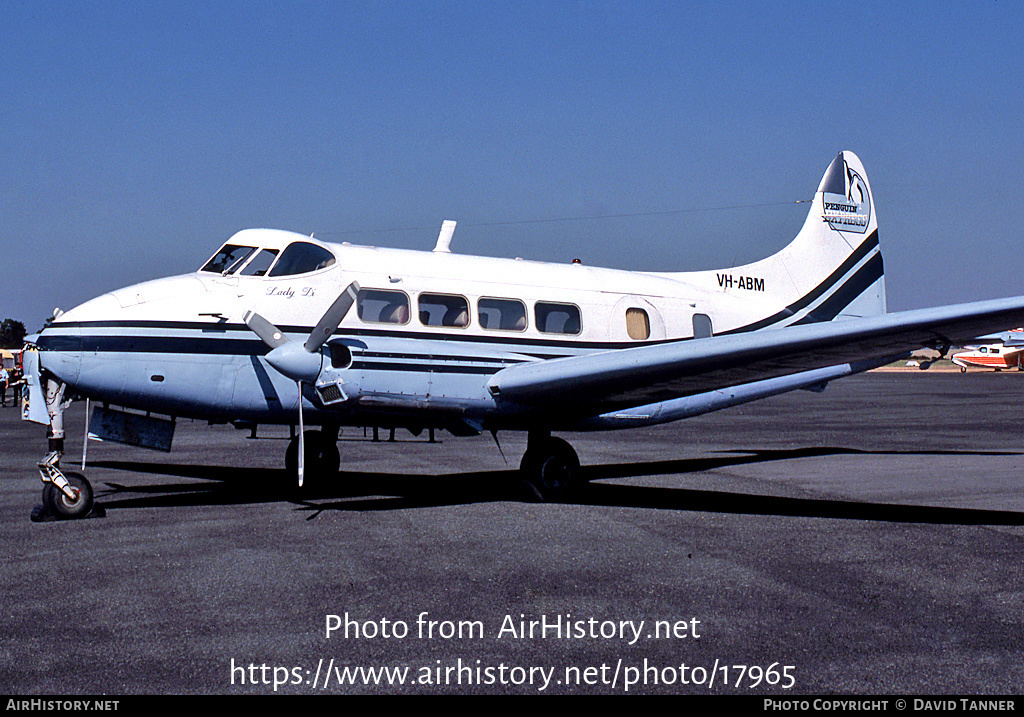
x: 638, y: 324
x: 502, y: 314
x: 229, y: 258
x: 554, y: 318
x: 379, y: 306
x: 443, y: 310
x: 702, y: 328
x: 259, y: 265
x: 301, y: 257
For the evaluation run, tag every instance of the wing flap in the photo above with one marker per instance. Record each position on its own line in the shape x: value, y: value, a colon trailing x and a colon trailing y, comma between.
x: 629, y: 377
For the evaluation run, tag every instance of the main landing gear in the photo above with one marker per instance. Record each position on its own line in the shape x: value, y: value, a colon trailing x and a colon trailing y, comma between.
x: 321, y: 461
x: 550, y: 467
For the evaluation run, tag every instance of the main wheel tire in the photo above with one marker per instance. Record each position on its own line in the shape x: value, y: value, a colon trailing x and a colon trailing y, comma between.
x: 552, y: 468
x: 63, y: 507
x: 322, y: 458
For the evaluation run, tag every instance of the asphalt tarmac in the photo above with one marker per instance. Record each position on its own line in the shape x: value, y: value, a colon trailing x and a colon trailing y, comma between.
x: 866, y: 540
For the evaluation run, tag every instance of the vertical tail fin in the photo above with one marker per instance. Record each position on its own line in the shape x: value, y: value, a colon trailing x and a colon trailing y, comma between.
x: 835, y: 259
x: 831, y: 270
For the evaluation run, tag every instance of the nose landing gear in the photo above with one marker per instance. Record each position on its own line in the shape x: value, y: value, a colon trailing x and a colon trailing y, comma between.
x: 65, y: 495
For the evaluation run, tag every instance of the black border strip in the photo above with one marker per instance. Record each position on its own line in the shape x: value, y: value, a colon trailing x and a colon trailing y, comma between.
x: 858, y: 283
x: 862, y: 251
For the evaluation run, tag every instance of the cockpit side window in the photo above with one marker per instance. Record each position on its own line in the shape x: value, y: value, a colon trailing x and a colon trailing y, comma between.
x: 228, y: 259
x: 260, y: 263
x: 301, y: 257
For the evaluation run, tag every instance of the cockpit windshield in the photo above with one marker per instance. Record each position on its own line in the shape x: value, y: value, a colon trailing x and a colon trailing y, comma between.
x: 260, y: 263
x: 229, y: 258
x: 298, y: 257
x: 301, y: 257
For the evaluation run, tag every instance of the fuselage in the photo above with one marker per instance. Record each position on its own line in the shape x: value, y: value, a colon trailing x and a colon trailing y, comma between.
x: 428, y: 330
x: 425, y: 333
x: 992, y: 356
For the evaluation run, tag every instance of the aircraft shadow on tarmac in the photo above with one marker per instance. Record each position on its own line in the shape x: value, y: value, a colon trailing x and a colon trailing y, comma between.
x: 366, y: 491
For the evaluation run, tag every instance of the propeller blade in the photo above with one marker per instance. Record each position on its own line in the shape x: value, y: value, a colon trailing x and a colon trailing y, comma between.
x: 270, y: 334
x: 304, y: 363
x: 286, y: 356
x: 331, y: 319
x: 302, y: 438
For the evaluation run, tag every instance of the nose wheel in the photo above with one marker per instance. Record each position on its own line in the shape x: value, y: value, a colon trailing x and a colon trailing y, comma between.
x: 65, y: 495
x: 61, y: 505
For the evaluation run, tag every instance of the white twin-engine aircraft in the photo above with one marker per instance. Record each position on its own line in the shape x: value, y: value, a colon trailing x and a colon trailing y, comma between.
x: 472, y: 344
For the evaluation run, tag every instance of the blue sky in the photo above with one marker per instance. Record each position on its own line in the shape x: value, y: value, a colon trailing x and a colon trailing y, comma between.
x: 136, y: 137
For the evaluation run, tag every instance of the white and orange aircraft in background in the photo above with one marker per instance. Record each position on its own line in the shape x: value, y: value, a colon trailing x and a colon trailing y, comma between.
x: 1008, y: 352
x: 265, y: 333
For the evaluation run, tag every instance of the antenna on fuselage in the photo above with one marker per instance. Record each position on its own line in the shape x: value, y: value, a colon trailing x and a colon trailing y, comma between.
x: 444, y: 238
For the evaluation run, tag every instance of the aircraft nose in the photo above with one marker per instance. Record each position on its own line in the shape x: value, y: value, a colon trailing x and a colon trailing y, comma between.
x: 102, y: 307
x: 61, y: 342
x: 60, y: 353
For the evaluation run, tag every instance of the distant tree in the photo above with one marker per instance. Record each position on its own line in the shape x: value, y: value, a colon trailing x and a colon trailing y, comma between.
x: 12, y: 334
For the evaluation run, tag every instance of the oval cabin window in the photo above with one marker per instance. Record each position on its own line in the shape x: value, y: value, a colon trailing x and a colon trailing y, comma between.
x: 552, y: 318
x: 443, y: 310
x: 638, y: 324
x: 380, y: 306
x: 502, y: 314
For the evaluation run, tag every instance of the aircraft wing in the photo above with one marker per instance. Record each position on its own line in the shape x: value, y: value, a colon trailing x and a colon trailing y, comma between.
x: 622, y: 378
